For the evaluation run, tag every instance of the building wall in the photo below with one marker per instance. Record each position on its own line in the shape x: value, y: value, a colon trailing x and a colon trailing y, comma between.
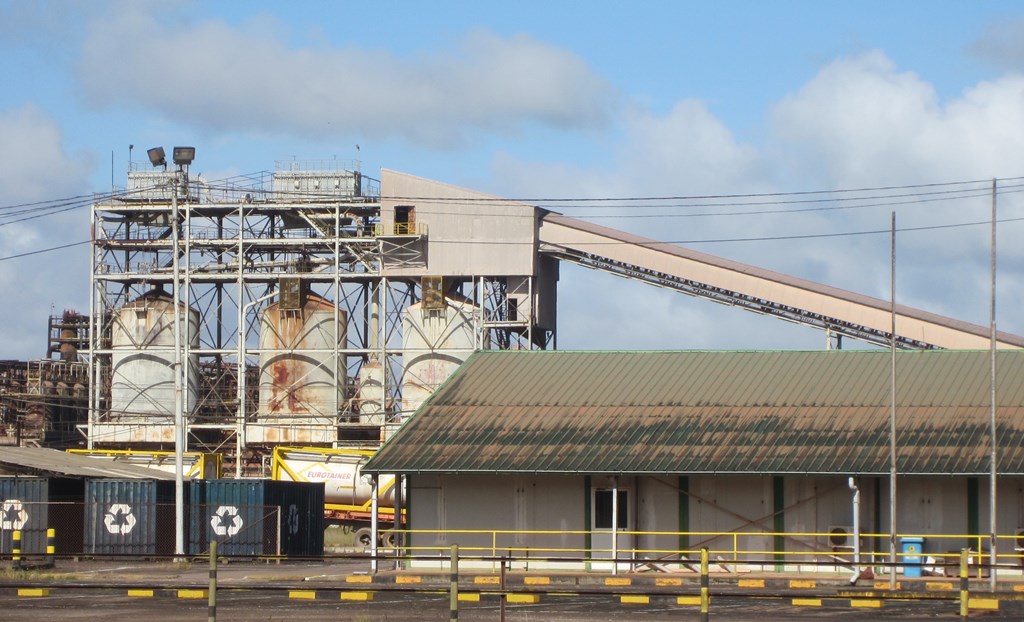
x: 496, y: 504
x: 464, y: 238
x: 665, y: 505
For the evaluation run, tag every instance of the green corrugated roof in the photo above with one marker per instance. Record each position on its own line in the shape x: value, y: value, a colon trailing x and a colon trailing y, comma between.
x: 714, y: 412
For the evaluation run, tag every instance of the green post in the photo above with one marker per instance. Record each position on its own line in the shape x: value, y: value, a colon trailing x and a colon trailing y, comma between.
x: 16, y: 549
x: 705, y: 594
x: 779, y: 521
x: 965, y: 596
x: 454, y: 602
x: 211, y: 606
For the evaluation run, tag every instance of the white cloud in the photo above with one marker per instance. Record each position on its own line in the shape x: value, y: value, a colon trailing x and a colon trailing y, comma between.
x: 860, y: 122
x: 1003, y: 43
x: 866, y: 122
x: 34, y: 168
x: 213, y: 75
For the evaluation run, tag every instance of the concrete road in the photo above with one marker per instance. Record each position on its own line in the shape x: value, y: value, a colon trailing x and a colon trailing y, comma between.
x: 100, y: 605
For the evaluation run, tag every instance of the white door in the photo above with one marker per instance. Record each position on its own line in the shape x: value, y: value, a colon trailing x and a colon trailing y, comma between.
x: 603, y: 523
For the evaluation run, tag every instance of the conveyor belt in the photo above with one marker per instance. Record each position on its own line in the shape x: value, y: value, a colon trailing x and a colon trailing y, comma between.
x: 755, y: 289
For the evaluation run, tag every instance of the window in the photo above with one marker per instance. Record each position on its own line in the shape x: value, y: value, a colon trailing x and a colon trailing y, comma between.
x: 603, y: 509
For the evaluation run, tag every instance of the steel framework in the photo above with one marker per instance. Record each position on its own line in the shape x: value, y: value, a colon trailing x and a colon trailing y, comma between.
x: 227, y: 252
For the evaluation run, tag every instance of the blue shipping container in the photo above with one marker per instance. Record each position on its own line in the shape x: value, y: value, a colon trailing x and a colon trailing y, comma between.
x: 129, y: 517
x: 32, y: 505
x: 257, y: 517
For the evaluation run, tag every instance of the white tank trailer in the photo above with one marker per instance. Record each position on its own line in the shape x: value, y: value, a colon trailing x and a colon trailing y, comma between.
x: 143, y: 360
x: 435, y: 342
x: 302, y: 382
x: 348, y: 494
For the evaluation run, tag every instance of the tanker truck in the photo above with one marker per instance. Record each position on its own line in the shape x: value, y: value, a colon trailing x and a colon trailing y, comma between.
x: 347, y: 492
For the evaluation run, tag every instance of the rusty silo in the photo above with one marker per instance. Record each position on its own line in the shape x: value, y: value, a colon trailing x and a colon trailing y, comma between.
x: 143, y: 360
x: 302, y: 376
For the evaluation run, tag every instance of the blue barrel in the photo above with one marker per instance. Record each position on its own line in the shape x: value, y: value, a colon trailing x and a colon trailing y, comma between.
x: 912, y: 549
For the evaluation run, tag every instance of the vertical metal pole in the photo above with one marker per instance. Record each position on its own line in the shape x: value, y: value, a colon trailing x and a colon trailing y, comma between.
x: 965, y: 596
x: 705, y: 585
x: 852, y: 483
x: 211, y: 606
x: 504, y: 596
x: 615, y: 525
x: 454, y: 584
x: 385, y: 364
x: 240, y: 301
x: 94, y: 335
x: 186, y: 344
x: 399, y: 534
x: 179, y: 485
x: 892, y: 409
x: 374, y: 505
x: 994, y: 458
x: 339, y: 383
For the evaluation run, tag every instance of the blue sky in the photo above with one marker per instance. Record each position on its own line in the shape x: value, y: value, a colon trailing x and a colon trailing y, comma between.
x: 545, y: 99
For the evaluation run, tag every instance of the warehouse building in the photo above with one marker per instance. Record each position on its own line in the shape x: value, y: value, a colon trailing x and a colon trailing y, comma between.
x: 756, y: 455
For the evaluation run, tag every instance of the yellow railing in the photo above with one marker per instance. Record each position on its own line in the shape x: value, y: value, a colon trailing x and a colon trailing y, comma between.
x: 755, y: 548
x: 401, y: 228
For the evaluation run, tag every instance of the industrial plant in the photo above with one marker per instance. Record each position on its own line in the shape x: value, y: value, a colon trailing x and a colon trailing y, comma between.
x: 290, y: 323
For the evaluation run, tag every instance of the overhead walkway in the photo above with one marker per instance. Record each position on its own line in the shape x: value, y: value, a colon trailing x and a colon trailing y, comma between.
x: 755, y: 289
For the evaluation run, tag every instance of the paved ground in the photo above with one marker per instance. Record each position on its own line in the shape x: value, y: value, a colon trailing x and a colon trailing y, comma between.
x: 99, y: 591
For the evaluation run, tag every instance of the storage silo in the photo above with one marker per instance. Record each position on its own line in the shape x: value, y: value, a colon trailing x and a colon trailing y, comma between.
x: 302, y: 383
x: 143, y: 359
x: 435, y: 341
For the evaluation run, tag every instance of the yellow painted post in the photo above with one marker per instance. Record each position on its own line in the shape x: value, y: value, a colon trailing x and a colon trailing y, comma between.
x: 965, y: 596
x: 705, y: 597
x: 211, y: 603
x: 454, y: 588
x: 16, y: 549
x: 51, y: 548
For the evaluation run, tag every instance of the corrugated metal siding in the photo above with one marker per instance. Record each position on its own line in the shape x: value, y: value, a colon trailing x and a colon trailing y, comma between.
x: 24, y: 506
x: 129, y: 517
x: 714, y: 412
x: 243, y: 517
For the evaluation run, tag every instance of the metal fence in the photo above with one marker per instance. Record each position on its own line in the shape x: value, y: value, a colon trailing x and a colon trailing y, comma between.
x: 134, y: 529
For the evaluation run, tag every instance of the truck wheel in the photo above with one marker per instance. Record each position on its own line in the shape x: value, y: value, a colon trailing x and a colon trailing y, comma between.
x: 389, y: 539
x: 362, y: 537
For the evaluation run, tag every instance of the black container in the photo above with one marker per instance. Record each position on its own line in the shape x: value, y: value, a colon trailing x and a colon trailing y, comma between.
x: 32, y: 505
x: 130, y: 517
x: 249, y: 517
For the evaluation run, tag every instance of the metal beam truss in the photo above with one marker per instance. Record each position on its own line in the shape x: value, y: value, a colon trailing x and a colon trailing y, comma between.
x: 224, y: 252
x: 678, y: 283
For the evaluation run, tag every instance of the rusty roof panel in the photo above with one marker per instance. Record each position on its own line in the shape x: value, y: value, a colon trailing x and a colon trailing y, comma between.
x: 714, y: 412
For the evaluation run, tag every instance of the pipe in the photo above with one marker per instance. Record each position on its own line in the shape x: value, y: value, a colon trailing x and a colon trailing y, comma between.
x: 615, y: 525
x: 852, y: 483
x: 243, y: 314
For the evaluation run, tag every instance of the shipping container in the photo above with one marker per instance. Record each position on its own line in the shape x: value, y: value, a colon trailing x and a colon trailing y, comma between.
x: 32, y: 505
x: 249, y: 517
x: 130, y: 516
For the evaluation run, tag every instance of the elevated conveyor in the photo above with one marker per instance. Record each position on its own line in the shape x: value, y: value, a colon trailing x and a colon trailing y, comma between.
x: 755, y: 289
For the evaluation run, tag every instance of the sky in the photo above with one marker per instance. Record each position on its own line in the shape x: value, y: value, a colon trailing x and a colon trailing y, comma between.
x: 553, y: 100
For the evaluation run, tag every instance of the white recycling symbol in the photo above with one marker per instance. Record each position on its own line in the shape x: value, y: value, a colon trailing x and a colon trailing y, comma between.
x: 293, y: 519
x: 13, y: 515
x: 226, y: 521
x: 119, y: 519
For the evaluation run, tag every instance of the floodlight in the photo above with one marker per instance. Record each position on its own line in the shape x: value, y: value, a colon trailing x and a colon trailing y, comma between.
x: 156, y: 156
x: 183, y: 156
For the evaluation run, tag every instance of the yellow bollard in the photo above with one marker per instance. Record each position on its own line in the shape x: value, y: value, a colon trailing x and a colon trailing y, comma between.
x: 965, y: 596
x: 16, y: 549
x: 51, y: 548
x: 705, y: 582
x: 454, y: 586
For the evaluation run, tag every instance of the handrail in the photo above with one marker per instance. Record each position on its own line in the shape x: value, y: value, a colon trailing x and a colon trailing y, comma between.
x: 728, y: 547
